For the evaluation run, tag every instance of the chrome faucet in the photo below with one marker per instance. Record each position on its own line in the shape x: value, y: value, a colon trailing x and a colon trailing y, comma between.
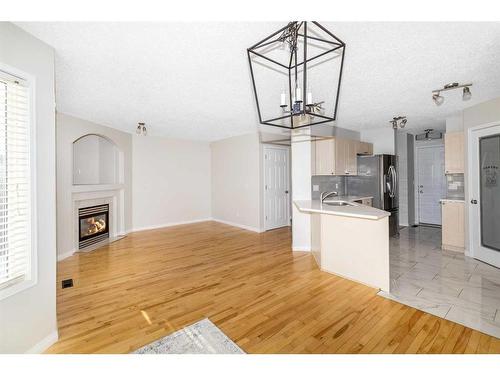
x: 326, y: 194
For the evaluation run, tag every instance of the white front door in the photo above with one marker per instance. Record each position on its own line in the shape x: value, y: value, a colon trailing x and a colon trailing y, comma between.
x: 431, y: 183
x: 276, y: 186
x: 484, y: 204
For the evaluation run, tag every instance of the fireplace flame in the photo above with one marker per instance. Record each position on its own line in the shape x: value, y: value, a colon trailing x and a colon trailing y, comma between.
x: 95, y: 226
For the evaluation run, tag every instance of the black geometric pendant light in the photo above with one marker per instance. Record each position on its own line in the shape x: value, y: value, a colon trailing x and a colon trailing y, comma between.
x: 296, y: 74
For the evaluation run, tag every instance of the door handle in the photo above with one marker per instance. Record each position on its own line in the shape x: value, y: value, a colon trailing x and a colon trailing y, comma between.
x: 473, y: 201
x: 391, y: 175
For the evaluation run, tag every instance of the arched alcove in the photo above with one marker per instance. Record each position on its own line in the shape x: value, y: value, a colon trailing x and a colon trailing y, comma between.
x: 96, y: 161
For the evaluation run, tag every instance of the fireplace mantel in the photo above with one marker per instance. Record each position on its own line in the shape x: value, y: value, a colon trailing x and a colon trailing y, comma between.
x: 93, y: 188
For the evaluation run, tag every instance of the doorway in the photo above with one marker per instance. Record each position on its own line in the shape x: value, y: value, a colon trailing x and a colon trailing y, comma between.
x: 484, y: 180
x: 431, y: 183
x: 276, y: 186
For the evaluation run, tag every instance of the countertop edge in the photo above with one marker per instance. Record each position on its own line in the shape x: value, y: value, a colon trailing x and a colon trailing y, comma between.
x: 375, y: 213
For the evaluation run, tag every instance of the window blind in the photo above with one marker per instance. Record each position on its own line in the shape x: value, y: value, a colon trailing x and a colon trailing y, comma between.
x: 15, y: 201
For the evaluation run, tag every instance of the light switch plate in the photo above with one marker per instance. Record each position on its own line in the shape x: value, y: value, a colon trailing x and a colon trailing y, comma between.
x: 315, y: 187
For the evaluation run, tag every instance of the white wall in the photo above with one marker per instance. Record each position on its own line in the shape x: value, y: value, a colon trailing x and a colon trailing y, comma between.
x: 455, y: 123
x: 236, y: 181
x: 171, y: 182
x: 109, y: 163
x: 69, y: 129
x: 86, y: 160
x: 95, y: 161
x: 382, y: 139
x: 28, y: 319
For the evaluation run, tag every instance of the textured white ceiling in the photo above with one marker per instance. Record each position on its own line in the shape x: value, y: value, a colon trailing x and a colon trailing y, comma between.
x: 191, y: 80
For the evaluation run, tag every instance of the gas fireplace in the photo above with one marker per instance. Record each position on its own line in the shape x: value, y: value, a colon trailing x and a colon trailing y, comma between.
x: 93, y: 225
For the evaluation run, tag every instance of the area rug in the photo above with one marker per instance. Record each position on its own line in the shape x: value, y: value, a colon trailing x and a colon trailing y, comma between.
x: 202, y: 337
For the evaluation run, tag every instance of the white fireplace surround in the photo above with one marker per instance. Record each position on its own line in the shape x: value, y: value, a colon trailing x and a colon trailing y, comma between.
x: 86, y: 196
x: 111, y: 185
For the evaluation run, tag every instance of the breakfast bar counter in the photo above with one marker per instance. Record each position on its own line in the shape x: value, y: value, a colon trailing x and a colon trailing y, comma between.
x: 350, y: 240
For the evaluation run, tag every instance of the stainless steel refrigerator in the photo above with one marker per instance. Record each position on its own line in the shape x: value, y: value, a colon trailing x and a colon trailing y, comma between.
x: 378, y: 177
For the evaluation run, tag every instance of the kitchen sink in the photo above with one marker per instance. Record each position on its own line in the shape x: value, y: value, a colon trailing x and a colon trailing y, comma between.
x: 338, y: 203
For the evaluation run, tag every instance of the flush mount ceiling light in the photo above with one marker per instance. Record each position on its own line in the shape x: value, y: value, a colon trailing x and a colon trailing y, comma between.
x: 288, y: 67
x: 141, y: 129
x: 466, y: 95
x: 398, y: 121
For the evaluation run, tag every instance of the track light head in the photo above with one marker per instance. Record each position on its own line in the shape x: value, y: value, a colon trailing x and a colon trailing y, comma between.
x: 466, y: 93
x: 403, y: 123
x: 438, y: 99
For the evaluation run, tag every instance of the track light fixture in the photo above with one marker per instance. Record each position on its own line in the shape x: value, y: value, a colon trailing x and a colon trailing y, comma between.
x: 399, y: 121
x: 439, y: 99
x: 141, y: 129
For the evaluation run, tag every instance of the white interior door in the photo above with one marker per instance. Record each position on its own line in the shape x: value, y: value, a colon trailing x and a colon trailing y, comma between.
x: 484, y: 206
x: 431, y: 185
x: 276, y: 186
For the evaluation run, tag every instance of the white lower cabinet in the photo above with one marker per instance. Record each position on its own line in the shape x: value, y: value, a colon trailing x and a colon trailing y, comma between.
x: 453, y: 225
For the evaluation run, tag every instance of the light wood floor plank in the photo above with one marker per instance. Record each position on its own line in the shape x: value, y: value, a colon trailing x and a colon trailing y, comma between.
x: 265, y: 297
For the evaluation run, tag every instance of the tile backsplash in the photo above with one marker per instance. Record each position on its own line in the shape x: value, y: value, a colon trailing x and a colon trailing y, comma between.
x: 327, y: 183
x: 455, y: 186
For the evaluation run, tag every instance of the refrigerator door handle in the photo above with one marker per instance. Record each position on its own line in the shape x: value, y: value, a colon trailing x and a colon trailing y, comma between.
x: 392, y: 184
x: 395, y: 184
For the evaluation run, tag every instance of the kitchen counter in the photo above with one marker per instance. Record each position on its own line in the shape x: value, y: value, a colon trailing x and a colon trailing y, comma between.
x: 356, y: 210
x: 350, y: 241
x: 452, y: 200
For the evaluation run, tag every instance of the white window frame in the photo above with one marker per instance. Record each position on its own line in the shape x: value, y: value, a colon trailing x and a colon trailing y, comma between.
x: 32, y: 277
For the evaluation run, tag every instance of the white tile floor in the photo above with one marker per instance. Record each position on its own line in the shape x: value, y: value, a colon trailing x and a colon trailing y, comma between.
x: 443, y: 283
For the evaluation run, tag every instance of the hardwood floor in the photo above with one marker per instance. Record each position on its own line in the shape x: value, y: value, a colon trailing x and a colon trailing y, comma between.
x: 265, y: 297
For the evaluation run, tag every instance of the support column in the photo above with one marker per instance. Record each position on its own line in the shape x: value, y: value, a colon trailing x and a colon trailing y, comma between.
x: 301, y: 188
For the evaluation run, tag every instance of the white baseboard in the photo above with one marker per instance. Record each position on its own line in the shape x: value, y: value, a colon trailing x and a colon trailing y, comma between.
x: 64, y: 255
x: 139, y: 229
x: 301, y: 248
x: 44, y: 344
x: 246, y: 227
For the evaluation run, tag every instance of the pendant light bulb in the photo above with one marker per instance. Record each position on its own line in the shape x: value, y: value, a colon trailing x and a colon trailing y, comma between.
x: 298, y: 95
x: 283, y: 98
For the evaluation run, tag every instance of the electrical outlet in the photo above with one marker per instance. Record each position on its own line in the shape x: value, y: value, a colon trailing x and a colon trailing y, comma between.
x: 315, y: 187
x: 336, y: 185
